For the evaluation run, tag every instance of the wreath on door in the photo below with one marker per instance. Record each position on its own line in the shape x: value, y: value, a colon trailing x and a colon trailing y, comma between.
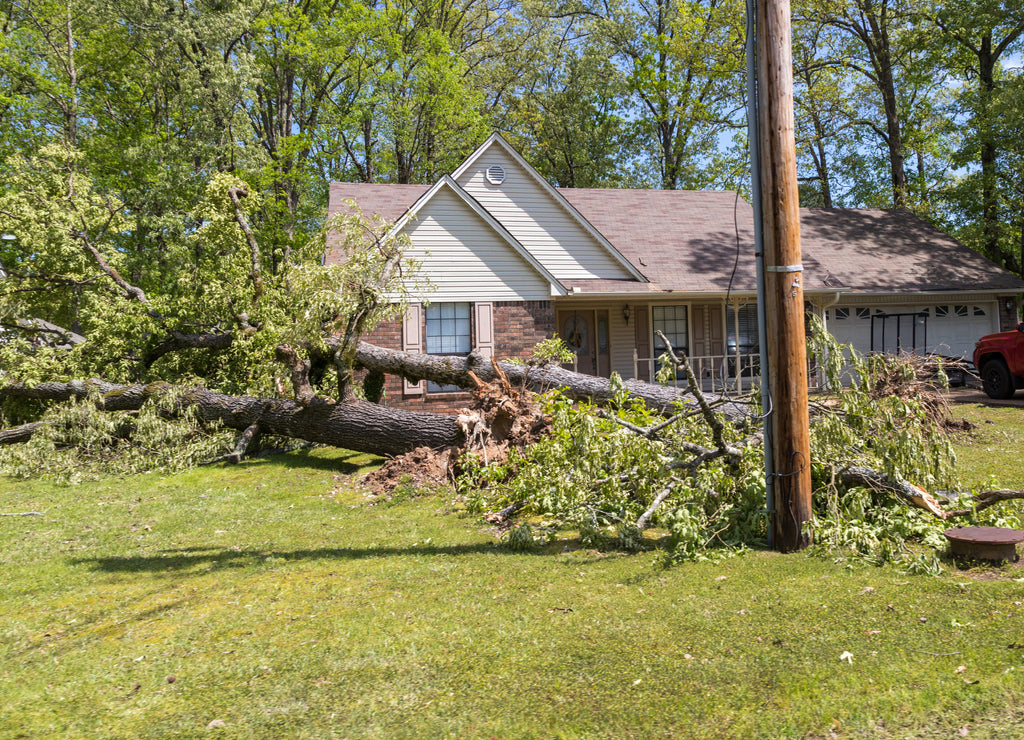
x: 575, y: 333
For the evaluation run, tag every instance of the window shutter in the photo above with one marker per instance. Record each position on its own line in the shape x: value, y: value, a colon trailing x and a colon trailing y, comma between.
x: 484, y: 314
x: 412, y: 341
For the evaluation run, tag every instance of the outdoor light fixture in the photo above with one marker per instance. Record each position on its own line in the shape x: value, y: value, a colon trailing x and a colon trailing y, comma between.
x: 625, y: 313
x: 1009, y: 304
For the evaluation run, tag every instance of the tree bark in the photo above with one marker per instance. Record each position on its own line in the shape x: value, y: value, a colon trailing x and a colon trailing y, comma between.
x: 16, y: 435
x: 359, y: 426
x: 179, y: 340
x: 454, y: 370
x: 916, y: 496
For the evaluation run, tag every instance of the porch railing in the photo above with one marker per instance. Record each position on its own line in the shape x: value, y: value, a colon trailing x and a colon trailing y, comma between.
x: 736, y: 372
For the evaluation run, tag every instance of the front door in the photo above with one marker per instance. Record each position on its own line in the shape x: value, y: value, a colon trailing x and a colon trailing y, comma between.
x: 586, y: 333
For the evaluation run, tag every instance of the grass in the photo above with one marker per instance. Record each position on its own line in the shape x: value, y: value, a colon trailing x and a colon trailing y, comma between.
x: 274, y: 600
x: 993, y: 454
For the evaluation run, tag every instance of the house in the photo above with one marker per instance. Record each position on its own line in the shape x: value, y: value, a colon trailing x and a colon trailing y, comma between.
x: 514, y: 260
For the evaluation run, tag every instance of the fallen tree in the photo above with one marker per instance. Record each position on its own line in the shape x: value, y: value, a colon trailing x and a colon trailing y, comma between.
x: 456, y: 370
x: 359, y: 426
x: 382, y: 430
x: 621, y: 469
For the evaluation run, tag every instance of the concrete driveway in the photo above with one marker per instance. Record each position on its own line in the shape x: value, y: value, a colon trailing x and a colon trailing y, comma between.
x: 972, y: 393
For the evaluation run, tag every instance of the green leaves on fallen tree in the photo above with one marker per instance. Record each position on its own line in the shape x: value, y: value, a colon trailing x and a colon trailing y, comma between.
x: 609, y: 475
x: 77, y: 441
x: 599, y: 477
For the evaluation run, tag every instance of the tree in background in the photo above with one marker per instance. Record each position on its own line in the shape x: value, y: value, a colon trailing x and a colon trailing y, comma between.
x: 979, y: 36
x: 566, y: 116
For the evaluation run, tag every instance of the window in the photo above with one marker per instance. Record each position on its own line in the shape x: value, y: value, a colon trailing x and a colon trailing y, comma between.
x: 842, y: 313
x: 672, y: 322
x: 746, y: 340
x: 448, y: 333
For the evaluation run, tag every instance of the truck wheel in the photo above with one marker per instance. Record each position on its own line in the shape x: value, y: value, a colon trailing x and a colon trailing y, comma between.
x: 996, y: 379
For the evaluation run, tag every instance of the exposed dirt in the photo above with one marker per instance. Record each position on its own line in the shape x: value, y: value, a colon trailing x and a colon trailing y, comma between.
x: 502, y: 417
x: 421, y: 468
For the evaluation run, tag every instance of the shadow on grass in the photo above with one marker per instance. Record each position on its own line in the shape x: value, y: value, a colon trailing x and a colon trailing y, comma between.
x: 213, y: 557
x: 209, y: 558
x: 345, y: 463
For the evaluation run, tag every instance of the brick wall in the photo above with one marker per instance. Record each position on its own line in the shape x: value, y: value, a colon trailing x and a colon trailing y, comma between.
x: 1007, y: 318
x: 518, y: 326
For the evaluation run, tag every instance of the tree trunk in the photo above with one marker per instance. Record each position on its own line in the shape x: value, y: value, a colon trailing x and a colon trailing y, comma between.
x: 577, y: 386
x: 16, y: 435
x: 894, y: 136
x: 989, y: 191
x: 359, y: 426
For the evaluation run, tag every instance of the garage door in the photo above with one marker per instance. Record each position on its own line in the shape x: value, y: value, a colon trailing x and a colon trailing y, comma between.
x: 954, y: 328
x: 948, y: 329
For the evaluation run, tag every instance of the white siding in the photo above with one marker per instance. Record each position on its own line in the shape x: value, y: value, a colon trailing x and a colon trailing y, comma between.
x: 465, y: 260
x: 538, y: 221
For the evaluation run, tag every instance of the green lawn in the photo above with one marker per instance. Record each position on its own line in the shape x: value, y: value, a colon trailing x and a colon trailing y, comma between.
x: 994, y: 452
x: 276, y: 600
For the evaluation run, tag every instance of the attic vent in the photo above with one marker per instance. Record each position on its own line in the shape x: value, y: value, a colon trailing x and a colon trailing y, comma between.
x: 495, y: 174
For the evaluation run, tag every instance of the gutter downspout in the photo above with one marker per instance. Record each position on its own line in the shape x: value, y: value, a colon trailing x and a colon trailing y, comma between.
x: 762, y: 319
x: 824, y: 322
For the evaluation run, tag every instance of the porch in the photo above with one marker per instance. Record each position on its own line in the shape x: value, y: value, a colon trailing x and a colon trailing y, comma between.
x: 720, y: 339
x: 739, y: 372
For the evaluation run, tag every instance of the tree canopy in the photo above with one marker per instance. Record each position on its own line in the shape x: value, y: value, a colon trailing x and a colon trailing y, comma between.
x: 165, y: 165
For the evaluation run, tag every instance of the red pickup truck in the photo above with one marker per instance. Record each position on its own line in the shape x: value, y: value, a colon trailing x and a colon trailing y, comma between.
x: 999, y: 359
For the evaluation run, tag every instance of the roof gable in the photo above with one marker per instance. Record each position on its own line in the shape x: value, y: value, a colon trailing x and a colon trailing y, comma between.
x: 466, y: 254
x: 539, y: 217
x: 446, y: 183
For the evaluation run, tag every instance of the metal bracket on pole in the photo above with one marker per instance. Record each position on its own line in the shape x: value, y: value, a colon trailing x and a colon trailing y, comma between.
x: 784, y: 268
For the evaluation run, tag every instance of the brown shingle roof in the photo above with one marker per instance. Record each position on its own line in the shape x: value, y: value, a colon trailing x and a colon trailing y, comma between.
x: 686, y: 241
x: 681, y: 240
x: 883, y: 251
x: 388, y: 201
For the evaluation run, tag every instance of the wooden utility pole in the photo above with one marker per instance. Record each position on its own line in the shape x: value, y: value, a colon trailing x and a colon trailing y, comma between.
x: 784, y: 295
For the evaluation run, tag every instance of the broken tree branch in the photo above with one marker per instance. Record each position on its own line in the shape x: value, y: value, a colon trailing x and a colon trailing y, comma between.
x: 904, y: 490
x: 179, y: 340
x: 984, y: 500
x: 644, y: 519
x: 236, y: 194
x: 17, y: 435
x: 692, y: 386
x: 242, y: 446
x: 304, y: 393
